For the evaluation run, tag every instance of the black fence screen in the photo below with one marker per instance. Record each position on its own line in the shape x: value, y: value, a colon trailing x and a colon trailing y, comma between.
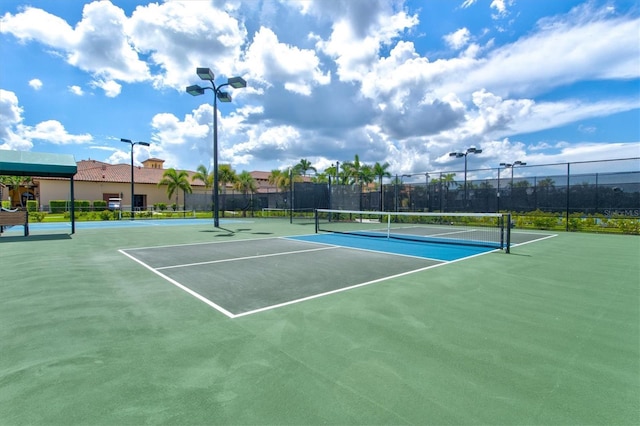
x: 560, y: 190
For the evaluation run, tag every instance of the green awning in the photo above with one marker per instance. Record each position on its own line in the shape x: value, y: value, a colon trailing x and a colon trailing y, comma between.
x: 24, y: 163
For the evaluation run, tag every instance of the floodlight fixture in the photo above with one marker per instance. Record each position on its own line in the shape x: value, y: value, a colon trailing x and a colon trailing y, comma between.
x: 195, y: 90
x: 237, y: 82
x: 205, y: 74
x: 223, y: 96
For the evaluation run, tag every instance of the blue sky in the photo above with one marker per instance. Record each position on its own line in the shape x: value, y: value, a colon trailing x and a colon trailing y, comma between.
x: 402, y: 82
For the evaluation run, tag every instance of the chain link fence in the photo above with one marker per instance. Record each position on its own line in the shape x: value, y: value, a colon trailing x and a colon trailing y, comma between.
x: 567, y: 196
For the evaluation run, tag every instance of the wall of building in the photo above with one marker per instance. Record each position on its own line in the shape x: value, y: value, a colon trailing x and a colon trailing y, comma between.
x: 49, y: 189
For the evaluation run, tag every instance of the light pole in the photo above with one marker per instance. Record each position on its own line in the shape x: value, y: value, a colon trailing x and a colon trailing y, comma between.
x: 459, y: 154
x: 507, y: 166
x: 132, y: 194
x: 426, y: 187
x: 195, y: 90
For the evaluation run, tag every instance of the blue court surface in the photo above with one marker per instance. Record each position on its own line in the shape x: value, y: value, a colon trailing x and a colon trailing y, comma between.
x: 434, y: 251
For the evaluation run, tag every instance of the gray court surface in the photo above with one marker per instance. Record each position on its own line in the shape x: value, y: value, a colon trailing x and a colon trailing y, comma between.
x: 248, y: 276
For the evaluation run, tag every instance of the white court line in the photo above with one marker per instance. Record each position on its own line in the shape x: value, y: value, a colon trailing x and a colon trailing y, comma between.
x: 245, y: 258
x: 182, y: 287
x: 533, y: 241
x: 293, y: 238
x: 339, y: 290
x: 291, y: 302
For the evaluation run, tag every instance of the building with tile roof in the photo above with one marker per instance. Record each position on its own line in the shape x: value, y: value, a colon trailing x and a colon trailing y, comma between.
x: 96, y: 180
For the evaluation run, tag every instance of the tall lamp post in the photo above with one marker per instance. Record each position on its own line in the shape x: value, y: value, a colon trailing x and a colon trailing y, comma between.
x: 195, y: 90
x: 132, y: 193
x: 459, y: 154
x: 509, y: 166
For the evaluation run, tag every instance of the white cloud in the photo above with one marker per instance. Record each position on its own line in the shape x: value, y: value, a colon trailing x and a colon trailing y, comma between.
x: 76, y: 90
x: 359, y: 30
x: 501, y: 8
x: 180, y: 36
x: 52, y: 131
x: 111, y: 88
x: 270, y: 61
x: 457, y: 39
x: 565, y: 50
x: 36, y: 84
x: 10, y: 122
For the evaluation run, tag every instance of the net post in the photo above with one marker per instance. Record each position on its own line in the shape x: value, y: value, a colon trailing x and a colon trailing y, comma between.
x: 316, y: 219
x: 508, y: 248
x: 388, y: 226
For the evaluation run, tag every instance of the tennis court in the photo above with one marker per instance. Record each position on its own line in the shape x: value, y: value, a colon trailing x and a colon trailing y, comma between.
x: 106, y: 327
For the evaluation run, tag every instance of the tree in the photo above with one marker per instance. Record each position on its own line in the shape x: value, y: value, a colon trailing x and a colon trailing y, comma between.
x: 320, y: 178
x: 203, y: 175
x: 14, y: 183
x: 175, y: 180
x: 226, y: 175
x: 353, y: 170
x: 304, y: 166
x: 380, y: 171
x: 245, y: 183
x: 279, y: 179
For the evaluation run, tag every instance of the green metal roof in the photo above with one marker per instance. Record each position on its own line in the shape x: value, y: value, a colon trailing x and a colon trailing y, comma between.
x: 23, y: 163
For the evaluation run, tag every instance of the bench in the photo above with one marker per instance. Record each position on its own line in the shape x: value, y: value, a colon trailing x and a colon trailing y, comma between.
x: 14, y: 218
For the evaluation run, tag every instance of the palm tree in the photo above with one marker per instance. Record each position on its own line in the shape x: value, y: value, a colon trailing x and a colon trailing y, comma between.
x: 203, y: 175
x: 279, y: 179
x: 353, y: 169
x: 320, y: 178
x: 380, y: 171
x: 245, y: 183
x: 175, y: 180
x: 304, y: 166
x: 445, y: 181
x: 226, y: 175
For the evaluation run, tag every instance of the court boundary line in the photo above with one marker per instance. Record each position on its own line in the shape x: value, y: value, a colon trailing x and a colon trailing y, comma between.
x: 245, y: 258
x: 181, y: 287
x: 294, y: 238
x: 534, y: 241
x: 377, y: 280
x: 313, y: 296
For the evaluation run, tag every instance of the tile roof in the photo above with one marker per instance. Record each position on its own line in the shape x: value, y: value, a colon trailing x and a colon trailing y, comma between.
x: 97, y: 171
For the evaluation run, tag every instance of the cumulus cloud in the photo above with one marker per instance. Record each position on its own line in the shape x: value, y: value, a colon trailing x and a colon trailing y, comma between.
x: 457, y: 39
x: 76, y: 90
x: 11, y: 122
x: 53, y: 131
x: 271, y: 61
x: 501, y: 8
x: 331, y: 80
x: 36, y: 84
x: 179, y: 36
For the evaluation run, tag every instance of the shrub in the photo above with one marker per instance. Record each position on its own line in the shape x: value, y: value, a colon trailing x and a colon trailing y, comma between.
x: 36, y: 216
x: 32, y: 206
x: 99, y: 205
x: 82, y: 205
x: 58, y: 206
x: 109, y: 215
x: 629, y: 226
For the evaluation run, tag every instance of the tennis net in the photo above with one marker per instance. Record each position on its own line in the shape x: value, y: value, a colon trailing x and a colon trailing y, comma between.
x: 477, y: 229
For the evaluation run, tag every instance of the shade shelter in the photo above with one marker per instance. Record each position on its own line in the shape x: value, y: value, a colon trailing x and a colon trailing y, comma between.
x: 23, y: 163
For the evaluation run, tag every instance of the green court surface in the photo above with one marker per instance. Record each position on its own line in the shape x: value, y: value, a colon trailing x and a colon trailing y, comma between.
x: 105, y: 327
